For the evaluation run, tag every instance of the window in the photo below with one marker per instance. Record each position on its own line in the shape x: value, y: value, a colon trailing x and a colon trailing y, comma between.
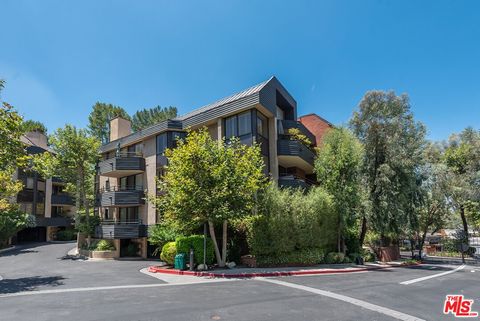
x: 161, y: 143
x: 128, y: 214
x: 176, y: 136
x: 239, y: 126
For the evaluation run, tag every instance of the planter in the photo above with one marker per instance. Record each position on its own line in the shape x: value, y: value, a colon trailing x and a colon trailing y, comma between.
x: 105, y: 255
x: 389, y: 253
x: 248, y: 260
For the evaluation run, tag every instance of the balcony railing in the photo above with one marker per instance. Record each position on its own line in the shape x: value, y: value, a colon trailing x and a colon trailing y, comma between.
x: 120, y: 230
x: 121, y: 196
x: 122, y: 164
x: 288, y: 180
x: 284, y: 125
x: 62, y: 199
x: 288, y: 147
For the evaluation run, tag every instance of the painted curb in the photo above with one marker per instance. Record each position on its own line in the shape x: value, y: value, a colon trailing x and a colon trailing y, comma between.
x: 8, y: 249
x: 156, y: 269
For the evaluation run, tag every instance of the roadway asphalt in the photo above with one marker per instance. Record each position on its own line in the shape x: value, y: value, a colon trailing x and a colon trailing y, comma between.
x: 39, y: 283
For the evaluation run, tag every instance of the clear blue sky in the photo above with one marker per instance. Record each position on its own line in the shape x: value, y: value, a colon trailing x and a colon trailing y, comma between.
x: 60, y: 57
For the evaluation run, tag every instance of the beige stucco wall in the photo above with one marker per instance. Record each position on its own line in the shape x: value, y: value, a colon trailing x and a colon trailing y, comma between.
x: 48, y: 197
x: 149, y: 182
x: 119, y: 128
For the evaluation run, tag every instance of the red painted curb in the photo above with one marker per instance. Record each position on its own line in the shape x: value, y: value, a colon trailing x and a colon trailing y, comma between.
x: 156, y: 269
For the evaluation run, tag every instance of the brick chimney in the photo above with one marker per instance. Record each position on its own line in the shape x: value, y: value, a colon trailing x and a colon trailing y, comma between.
x: 119, y: 127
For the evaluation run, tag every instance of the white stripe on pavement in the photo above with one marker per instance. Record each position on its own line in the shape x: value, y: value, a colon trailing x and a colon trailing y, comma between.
x: 104, y: 288
x: 433, y: 276
x: 391, y: 313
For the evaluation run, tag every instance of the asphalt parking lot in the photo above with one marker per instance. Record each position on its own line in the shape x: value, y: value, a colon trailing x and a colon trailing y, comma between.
x: 39, y: 279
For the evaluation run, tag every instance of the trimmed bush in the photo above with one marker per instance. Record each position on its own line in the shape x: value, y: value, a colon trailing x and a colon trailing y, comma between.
x: 195, y: 242
x: 169, y: 250
x: 310, y: 256
x: 160, y: 234
x: 104, y: 245
x: 290, y: 221
x: 334, y: 258
x: 369, y: 256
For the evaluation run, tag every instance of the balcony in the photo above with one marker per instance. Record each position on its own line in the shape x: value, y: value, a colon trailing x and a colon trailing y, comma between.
x: 121, y: 196
x: 26, y: 196
x: 53, y: 221
x: 62, y: 199
x: 120, y: 230
x: 284, y: 125
x: 293, y: 153
x: 294, y: 182
x: 123, y: 164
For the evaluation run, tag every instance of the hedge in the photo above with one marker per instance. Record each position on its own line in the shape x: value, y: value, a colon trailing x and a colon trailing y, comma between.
x: 185, y: 243
x: 310, y: 256
x: 290, y: 221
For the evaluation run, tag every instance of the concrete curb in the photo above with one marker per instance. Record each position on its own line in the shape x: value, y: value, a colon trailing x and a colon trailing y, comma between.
x: 8, y: 249
x: 156, y: 269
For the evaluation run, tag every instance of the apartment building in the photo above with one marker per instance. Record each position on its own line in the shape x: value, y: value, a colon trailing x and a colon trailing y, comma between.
x: 264, y: 113
x: 44, y: 198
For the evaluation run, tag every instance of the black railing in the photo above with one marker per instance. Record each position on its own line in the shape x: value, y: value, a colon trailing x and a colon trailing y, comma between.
x: 127, y: 154
x: 121, y: 188
x: 298, y: 178
x: 284, y: 125
x: 62, y: 198
x: 124, y: 222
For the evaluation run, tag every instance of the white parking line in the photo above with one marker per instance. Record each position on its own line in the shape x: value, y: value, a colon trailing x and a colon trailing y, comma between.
x: 433, y: 276
x: 105, y: 288
x: 373, y: 307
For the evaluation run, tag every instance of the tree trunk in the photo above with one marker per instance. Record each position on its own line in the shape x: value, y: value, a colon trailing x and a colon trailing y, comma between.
x: 224, y: 243
x: 211, y: 227
x: 464, y: 222
x: 363, y: 231
x: 420, y: 245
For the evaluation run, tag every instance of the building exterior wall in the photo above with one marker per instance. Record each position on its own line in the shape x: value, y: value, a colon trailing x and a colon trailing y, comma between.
x: 316, y: 125
x: 149, y: 180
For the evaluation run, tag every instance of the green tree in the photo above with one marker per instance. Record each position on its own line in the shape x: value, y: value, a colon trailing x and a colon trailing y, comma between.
x: 337, y: 167
x: 74, y: 157
x: 33, y: 125
x: 211, y: 181
x: 393, y: 143
x: 12, y: 156
x: 462, y: 156
x: 150, y: 116
x: 99, y: 119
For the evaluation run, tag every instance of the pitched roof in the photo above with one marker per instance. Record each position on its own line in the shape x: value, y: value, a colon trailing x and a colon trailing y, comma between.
x: 244, y: 93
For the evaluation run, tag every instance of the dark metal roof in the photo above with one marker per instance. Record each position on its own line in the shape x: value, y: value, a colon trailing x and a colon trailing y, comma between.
x: 262, y: 93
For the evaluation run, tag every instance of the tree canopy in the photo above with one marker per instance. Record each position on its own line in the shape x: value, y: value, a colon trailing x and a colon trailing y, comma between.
x: 150, y: 116
x: 34, y: 126
x: 211, y: 181
x: 393, y: 143
x: 99, y: 119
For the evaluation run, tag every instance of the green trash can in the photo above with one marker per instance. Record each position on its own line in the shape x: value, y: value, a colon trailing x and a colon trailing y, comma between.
x: 180, y: 262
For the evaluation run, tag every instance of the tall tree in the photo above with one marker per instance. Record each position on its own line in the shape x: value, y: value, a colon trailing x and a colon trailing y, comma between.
x: 33, y: 125
x: 150, y: 116
x: 74, y: 157
x: 212, y: 182
x: 338, y: 170
x: 12, y: 156
x: 393, y: 143
x: 462, y: 156
x: 99, y: 119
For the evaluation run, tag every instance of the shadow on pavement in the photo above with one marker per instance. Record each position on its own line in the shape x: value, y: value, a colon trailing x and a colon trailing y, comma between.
x: 28, y: 283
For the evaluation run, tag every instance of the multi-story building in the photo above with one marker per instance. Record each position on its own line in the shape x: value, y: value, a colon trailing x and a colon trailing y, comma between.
x: 131, y: 161
x: 44, y: 198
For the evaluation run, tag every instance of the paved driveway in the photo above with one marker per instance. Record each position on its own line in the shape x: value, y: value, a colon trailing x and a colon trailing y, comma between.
x: 116, y: 290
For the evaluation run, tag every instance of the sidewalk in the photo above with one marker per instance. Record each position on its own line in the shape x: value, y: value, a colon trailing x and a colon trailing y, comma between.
x: 280, y: 271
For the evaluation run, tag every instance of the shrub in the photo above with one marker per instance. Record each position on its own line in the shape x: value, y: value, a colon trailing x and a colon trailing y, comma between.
x: 346, y: 259
x: 169, y: 250
x: 160, y: 234
x: 368, y: 256
x: 66, y: 235
x: 334, y: 258
x: 289, y: 221
x: 195, y: 242
x: 304, y: 257
x: 104, y: 245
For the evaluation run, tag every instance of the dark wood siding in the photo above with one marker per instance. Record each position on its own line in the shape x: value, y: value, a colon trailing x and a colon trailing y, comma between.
x: 122, y: 198
x: 120, y: 231
x: 121, y: 164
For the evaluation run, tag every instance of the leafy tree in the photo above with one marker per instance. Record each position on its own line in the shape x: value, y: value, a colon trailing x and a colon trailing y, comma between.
x: 338, y: 171
x: 462, y: 156
x: 12, y: 156
x: 99, y: 119
x: 150, y: 116
x: 211, y: 181
x: 73, y: 159
x: 393, y: 143
x: 33, y: 125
